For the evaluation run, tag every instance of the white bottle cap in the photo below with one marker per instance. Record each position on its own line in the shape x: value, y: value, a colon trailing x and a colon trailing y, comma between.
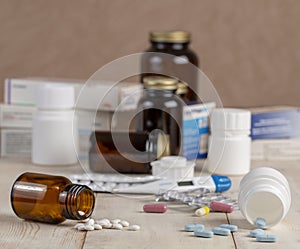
x: 173, y: 167
x: 230, y: 119
x: 55, y: 96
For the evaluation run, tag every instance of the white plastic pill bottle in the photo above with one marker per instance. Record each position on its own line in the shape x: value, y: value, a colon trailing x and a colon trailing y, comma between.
x: 264, y: 193
x: 229, y: 148
x: 54, y: 129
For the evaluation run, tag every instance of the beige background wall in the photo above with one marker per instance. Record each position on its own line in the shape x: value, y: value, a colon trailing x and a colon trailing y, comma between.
x: 249, y: 49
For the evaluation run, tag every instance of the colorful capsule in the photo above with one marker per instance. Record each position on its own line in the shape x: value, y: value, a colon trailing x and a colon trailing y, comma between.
x: 202, y: 211
x: 221, y: 207
x: 155, y: 208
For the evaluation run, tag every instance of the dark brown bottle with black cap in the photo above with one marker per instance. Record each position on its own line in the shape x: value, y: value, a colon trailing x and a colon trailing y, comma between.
x: 181, y: 67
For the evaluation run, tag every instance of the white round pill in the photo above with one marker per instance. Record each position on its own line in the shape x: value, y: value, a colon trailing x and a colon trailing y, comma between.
x: 124, y: 223
x: 134, y: 228
x: 115, y: 221
x: 81, y: 213
x: 97, y: 227
x: 90, y: 222
x: 107, y: 225
x: 79, y: 225
x: 85, y: 220
x: 117, y: 226
x: 103, y: 221
x: 82, y: 228
x: 89, y: 228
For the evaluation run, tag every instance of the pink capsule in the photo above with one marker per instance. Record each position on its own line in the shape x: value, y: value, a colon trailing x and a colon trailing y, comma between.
x: 221, y: 207
x: 155, y: 208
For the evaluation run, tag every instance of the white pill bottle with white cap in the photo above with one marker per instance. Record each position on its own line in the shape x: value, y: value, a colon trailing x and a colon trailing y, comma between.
x: 264, y: 193
x: 54, y: 129
x: 229, y: 148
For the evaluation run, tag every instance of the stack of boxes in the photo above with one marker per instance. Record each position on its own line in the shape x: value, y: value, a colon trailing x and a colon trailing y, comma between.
x: 275, y: 131
x: 16, y: 123
x: 95, y: 105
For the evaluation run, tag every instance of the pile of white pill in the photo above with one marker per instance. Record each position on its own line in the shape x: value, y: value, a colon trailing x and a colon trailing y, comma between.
x: 91, y: 224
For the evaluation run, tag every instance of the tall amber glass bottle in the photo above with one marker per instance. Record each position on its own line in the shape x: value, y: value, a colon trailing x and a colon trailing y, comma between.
x: 157, y: 63
x: 50, y: 199
x: 160, y: 108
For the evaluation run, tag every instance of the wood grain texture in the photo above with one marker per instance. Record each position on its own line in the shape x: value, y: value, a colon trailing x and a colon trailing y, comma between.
x: 24, y: 234
x: 157, y: 230
x: 249, y: 49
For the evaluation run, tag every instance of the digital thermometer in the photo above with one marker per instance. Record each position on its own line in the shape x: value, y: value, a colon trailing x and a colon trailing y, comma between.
x: 212, y: 183
x: 150, y: 184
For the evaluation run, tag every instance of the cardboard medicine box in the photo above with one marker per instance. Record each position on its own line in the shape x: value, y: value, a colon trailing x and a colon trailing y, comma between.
x: 195, y: 128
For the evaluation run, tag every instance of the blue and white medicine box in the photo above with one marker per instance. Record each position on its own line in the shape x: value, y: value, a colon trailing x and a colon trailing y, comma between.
x: 196, y: 130
x: 275, y: 122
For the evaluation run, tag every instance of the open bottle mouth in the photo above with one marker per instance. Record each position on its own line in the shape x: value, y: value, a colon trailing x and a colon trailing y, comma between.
x: 264, y: 193
x: 79, y: 202
x: 265, y: 205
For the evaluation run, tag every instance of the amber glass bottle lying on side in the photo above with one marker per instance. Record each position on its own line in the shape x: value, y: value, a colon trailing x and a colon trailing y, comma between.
x: 126, y: 152
x: 50, y: 199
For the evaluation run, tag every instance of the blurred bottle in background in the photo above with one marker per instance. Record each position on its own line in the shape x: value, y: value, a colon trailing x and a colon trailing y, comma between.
x: 161, y: 108
x: 174, y: 43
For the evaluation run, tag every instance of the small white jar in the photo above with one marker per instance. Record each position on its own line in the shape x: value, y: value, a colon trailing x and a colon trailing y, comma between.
x: 54, y: 130
x: 264, y: 193
x: 229, y: 143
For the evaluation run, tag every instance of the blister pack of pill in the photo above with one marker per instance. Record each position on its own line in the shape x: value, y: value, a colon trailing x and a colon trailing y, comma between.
x: 198, y: 198
x: 109, y: 182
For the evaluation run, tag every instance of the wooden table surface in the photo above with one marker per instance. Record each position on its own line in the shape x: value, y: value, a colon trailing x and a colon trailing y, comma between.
x: 157, y: 230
